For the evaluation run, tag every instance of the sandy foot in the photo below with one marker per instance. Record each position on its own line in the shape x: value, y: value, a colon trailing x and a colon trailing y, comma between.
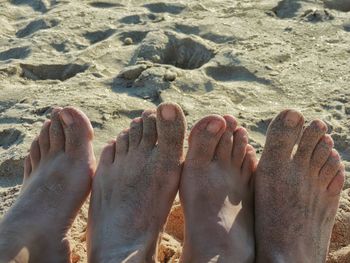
x: 57, y: 180
x: 296, y: 196
x: 216, y: 193
x: 135, y: 186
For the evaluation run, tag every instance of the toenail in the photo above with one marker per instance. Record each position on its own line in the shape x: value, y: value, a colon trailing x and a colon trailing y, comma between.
x: 148, y: 112
x: 245, y: 139
x: 328, y: 140
x: 292, y: 119
x: 335, y: 155
x: 137, y: 120
x: 168, y: 113
x: 214, y: 126
x: 321, y: 125
x: 67, y: 118
x: 342, y: 168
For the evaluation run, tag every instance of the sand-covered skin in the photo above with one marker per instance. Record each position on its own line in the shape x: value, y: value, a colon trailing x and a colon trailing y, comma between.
x: 250, y: 59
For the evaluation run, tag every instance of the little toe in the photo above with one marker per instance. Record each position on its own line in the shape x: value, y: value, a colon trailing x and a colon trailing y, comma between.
x: 311, y: 136
x: 121, y: 145
x: 135, y: 133
x: 171, y: 128
x: 108, y: 153
x: 330, y: 169
x: 321, y: 153
x: 240, y: 142
x: 57, y: 141
x: 282, y: 134
x: 27, y: 167
x: 149, y: 135
x: 204, y: 139
x: 78, y: 131
x: 224, y: 148
x: 35, y: 153
x: 249, y: 163
x: 336, y: 185
x: 44, y: 139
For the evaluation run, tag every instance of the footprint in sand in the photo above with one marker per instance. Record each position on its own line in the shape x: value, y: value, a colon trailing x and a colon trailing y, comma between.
x: 35, y: 26
x: 346, y: 26
x: 9, y: 137
x: 54, y: 71
x: 234, y: 73
x: 174, y: 9
x: 36, y: 5
x: 287, y: 9
x: 105, y: 5
x: 15, y: 53
x: 340, y: 5
x: 99, y: 35
x: 141, y: 19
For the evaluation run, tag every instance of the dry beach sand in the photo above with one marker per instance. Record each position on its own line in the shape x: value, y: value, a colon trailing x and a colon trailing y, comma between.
x: 114, y: 59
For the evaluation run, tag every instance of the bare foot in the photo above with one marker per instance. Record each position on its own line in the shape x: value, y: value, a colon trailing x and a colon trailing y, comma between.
x: 57, y: 180
x: 296, y: 195
x: 216, y: 193
x: 134, y: 187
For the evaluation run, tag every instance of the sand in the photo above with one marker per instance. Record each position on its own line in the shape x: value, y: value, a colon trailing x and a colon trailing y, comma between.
x: 114, y: 59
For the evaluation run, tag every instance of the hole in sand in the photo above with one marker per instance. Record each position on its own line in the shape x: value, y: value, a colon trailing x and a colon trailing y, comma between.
x: 186, y: 52
x: 15, y: 53
x: 100, y: 35
x: 9, y: 137
x: 233, y: 73
x: 55, y: 71
x: 35, y: 26
x: 340, y: 5
x: 165, y: 8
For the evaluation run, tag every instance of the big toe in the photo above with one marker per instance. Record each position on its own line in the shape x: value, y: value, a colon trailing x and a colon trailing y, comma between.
x: 78, y: 131
x: 171, y: 125
x: 283, y: 133
x: 204, y: 139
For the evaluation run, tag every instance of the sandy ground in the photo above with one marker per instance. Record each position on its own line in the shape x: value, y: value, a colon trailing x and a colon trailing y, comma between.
x: 114, y: 59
